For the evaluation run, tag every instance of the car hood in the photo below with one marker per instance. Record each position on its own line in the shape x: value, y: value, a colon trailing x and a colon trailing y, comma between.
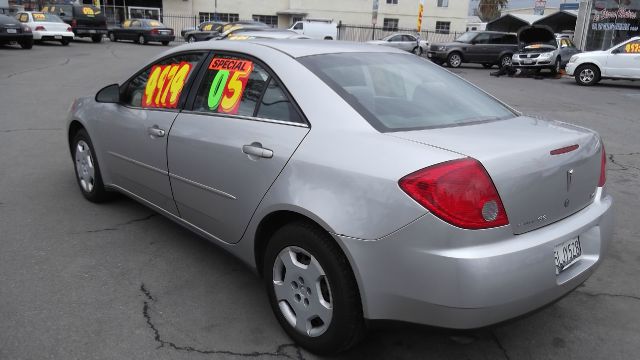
x: 592, y: 53
x: 536, y: 34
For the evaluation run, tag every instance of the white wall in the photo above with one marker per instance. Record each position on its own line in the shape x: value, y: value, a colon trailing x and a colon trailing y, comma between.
x: 356, y: 12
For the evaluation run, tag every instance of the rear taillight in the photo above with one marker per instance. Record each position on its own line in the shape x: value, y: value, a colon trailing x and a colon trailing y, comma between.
x: 603, y: 168
x: 459, y: 192
x: 69, y: 29
x: 74, y: 23
x: 155, y: 31
x: 40, y: 28
x: 26, y: 29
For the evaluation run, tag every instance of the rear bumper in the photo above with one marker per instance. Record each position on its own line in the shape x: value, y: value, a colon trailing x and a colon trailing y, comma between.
x: 52, y: 35
x: 89, y: 32
x: 432, y: 273
x: 160, y: 38
x: 7, y: 38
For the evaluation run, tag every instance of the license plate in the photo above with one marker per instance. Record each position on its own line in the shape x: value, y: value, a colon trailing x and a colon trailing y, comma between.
x: 528, y: 62
x: 58, y: 37
x: 567, y: 254
x: 92, y: 31
x: 12, y: 31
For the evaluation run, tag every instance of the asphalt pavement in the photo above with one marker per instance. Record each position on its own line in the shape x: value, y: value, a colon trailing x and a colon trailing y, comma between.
x: 118, y: 281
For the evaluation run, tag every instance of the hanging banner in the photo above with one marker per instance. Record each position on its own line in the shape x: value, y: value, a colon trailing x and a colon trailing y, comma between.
x: 420, y: 11
x: 539, y: 7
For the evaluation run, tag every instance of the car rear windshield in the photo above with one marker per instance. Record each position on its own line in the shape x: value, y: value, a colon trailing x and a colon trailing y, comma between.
x: 398, y: 92
x: 45, y: 17
x: 154, y: 23
x: 87, y: 11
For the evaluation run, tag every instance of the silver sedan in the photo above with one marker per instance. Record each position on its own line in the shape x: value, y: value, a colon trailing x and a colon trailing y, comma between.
x: 361, y: 182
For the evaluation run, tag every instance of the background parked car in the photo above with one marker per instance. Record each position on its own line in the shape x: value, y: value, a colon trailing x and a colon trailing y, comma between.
x: 12, y: 31
x: 46, y: 27
x: 483, y: 47
x: 85, y: 20
x: 142, y: 31
x: 236, y: 27
x: 321, y: 30
x: 266, y: 34
x: 621, y: 62
x: 205, y: 31
x: 403, y: 41
x: 541, y: 49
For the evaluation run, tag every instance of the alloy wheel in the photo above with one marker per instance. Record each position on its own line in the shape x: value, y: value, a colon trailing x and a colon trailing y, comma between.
x: 455, y: 60
x: 587, y: 75
x: 302, y: 291
x: 85, y: 168
x: 191, y: 39
x: 506, y: 61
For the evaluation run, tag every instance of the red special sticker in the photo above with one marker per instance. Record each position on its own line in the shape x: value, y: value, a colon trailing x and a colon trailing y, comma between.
x: 229, y: 84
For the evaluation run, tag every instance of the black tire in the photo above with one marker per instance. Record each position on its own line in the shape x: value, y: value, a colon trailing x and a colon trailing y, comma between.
x: 26, y: 44
x: 191, y: 39
x: 417, y: 51
x: 98, y: 193
x: 487, y: 66
x: 142, y: 40
x: 454, y: 59
x: 557, y: 66
x: 113, y: 37
x: 65, y: 41
x: 96, y: 38
x: 587, y: 75
x: 328, y: 38
x: 347, y: 325
x: 165, y: 43
x: 505, y: 60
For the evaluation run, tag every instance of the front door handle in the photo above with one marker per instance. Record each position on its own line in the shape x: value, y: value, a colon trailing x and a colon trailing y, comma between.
x: 156, y: 131
x: 256, y: 150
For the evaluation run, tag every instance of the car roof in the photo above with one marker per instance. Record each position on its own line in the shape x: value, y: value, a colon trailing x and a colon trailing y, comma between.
x: 271, y: 34
x: 296, y: 48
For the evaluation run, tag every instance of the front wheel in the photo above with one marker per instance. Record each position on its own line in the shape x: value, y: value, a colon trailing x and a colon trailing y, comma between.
x: 505, y: 61
x: 191, y: 39
x: 142, y: 40
x: 587, y: 75
x: 113, y: 37
x: 312, y: 289
x: 454, y: 60
x: 557, y: 67
x: 87, y: 168
x: 96, y: 38
x: 417, y: 50
x: 165, y: 43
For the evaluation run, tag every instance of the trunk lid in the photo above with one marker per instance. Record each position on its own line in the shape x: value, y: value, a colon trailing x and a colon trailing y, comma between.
x: 53, y: 26
x: 536, y: 187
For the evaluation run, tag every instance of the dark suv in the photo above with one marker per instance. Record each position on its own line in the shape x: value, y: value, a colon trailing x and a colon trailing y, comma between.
x: 85, y: 20
x: 483, y: 47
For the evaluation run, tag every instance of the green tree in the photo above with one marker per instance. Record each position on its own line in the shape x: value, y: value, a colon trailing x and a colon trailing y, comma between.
x: 490, y: 9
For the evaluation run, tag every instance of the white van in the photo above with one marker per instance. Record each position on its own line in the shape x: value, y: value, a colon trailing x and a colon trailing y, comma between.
x: 315, y: 29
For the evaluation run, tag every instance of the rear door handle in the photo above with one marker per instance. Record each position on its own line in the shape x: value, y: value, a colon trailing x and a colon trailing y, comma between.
x: 156, y: 131
x: 256, y: 149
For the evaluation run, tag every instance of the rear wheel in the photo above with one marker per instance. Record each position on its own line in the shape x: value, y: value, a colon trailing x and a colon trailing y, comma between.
x: 26, y: 44
x: 417, y: 50
x: 65, y: 41
x: 165, y: 43
x: 142, y: 40
x: 454, y: 59
x: 113, y: 37
x: 328, y: 38
x: 191, y: 39
x: 96, y: 38
x: 312, y: 289
x: 587, y: 75
x: 87, y: 169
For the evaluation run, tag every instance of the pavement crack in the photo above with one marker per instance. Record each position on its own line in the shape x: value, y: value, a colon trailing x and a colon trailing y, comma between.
x: 65, y: 62
x: 29, y: 129
x: 500, y: 346
x: 620, y: 165
x: 596, y: 294
x: 146, y: 313
x: 120, y: 225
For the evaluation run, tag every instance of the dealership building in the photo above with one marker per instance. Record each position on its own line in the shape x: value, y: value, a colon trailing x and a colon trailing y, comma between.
x: 604, y: 23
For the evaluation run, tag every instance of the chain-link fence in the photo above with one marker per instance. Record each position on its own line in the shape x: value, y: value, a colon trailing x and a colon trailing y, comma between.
x: 365, y: 33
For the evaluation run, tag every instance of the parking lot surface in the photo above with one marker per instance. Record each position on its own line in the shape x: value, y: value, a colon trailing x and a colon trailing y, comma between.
x: 118, y: 281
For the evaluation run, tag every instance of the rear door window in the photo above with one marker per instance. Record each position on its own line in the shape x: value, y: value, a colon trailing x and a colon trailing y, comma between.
x: 275, y: 105
x: 482, y: 38
x: 231, y: 85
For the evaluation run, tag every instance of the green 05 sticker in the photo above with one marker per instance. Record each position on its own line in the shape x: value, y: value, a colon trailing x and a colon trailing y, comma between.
x: 217, y: 89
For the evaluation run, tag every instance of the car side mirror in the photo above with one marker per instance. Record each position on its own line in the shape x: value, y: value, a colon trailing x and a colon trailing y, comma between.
x: 109, y: 94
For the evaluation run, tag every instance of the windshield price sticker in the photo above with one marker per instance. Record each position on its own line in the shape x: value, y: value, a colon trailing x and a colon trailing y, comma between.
x: 207, y: 27
x: 87, y: 11
x: 228, y: 85
x: 38, y: 16
x: 165, y: 84
x: 632, y: 48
